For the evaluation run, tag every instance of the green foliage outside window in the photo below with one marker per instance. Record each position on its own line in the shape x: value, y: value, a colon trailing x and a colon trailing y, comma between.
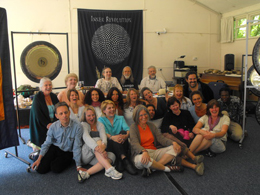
x: 255, y: 28
x: 240, y: 27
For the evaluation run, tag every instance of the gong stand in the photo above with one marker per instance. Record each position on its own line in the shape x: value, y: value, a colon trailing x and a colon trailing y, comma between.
x: 246, y: 86
x: 15, y: 83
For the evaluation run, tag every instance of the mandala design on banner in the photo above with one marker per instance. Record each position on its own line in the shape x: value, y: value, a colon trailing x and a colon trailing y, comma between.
x: 111, y: 44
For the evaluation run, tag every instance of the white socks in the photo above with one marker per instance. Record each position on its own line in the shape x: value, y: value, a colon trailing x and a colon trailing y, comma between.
x: 167, y: 169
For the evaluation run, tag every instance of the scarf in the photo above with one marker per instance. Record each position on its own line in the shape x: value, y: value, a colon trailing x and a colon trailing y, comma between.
x: 96, y: 104
x: 211, y: 126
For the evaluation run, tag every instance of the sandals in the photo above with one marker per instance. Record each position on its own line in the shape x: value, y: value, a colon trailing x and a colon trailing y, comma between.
x: 200, y: 168
x: 198, y: 159
x: 82, y: 176
x: 175, y: 168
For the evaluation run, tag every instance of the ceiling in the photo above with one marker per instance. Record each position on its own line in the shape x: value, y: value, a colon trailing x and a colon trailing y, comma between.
x: 224, y: 6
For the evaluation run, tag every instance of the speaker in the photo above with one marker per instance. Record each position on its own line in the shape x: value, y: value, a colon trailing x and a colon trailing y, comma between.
x: 229, y: 61
x: 179, y: 64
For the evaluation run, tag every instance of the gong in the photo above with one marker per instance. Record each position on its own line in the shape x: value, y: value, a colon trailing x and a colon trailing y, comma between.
x: 253, y: 79
x: 257, y: 112
x: 41, y: 59
x: 256, y: 56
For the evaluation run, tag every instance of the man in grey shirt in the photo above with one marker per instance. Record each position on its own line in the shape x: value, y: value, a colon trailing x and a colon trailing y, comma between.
x: 62, y: 145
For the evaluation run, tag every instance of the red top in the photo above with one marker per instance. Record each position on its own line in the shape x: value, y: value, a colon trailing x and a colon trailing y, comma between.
x: 147, y: 139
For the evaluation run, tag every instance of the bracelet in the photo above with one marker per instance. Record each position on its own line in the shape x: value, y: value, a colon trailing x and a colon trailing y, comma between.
x: 110, y: 138
x: 78, y: 167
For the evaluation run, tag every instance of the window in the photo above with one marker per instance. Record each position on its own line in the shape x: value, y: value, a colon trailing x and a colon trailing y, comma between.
x: 240, y: 26
x: 255, y: 26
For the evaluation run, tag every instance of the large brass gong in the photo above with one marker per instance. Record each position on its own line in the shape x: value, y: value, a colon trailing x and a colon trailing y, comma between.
x: 41, y: 59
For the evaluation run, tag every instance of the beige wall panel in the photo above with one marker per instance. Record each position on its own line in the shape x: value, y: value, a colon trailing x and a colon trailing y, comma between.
x: 215, y: 53
x: 176, y: 16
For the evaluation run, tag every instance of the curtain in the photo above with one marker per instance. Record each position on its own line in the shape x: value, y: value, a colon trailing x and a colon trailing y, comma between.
x: 8, y: 123
x: 111, y: 39
x: 227, y: 26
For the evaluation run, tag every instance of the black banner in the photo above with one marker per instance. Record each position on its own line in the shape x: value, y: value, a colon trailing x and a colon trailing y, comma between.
x: 8, y: 123
x: 109, y: 38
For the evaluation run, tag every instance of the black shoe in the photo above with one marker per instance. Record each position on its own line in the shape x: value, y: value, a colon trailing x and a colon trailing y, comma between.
x: 129, y: 167
x: 146, y: 172
x: 210, y: 154
x: 120, y: 167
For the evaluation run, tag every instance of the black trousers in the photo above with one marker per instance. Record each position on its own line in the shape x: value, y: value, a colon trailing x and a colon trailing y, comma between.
x: 55, y: 160
x: 118, y: 149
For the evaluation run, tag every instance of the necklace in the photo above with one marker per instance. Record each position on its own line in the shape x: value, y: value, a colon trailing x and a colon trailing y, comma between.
x: 133, y: 104
x: 93, y: 128
x: 74, y: 108
x: 143, y: 127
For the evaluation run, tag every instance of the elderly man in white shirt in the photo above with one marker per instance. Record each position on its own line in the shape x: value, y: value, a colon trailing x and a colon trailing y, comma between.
x: 152, y: 81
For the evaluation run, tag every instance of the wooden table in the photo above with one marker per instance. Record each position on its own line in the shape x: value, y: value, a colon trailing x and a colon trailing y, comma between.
x: 232, y: 81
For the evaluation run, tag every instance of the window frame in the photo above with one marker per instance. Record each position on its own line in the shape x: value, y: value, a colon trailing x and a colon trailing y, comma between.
x: 248, y: 16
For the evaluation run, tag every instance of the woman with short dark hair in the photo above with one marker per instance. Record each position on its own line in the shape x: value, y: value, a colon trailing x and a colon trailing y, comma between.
x: 178, y: 123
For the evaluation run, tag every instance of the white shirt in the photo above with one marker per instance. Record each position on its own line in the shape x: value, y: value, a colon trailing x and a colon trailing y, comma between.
x: 128, y: 114
x: 153, y: 84
x: 98, y: 111
x: 224, y: 120
x: 76, y: 116
x: 104, y: 85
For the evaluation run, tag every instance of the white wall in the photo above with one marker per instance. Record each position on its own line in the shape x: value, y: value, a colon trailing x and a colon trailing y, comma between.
x: 191, y: 30
x: 238, y: 47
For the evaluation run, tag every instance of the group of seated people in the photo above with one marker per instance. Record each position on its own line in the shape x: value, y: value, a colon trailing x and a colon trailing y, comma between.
x: 142, y: 131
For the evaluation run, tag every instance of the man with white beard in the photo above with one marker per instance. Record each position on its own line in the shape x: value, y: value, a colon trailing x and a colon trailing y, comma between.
x: 152, y: 81
x: 127, y: 80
